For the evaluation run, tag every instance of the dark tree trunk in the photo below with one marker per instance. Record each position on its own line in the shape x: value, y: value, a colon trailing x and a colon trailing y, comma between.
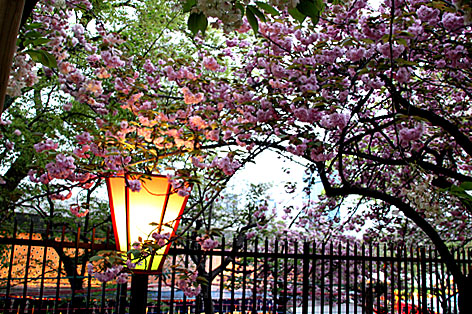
x: 75, y: 280
x: 207, y: 300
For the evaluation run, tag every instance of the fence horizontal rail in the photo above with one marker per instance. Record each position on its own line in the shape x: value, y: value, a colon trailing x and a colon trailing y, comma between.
x: 58, y: 244
x: 313, y: 256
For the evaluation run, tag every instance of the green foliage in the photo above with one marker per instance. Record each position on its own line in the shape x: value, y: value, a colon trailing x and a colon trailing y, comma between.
x: 463, y: 192
x: 34, y: 41
x: 43, y: 57
x: 188, y: 5
x: 311, y: 9
x: 267, y: 8
x: 251, y: 18
x: 197, y: 22
x: 305, y: 8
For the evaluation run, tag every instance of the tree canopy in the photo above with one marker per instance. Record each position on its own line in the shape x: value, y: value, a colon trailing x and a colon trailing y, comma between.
x: 375, y: 99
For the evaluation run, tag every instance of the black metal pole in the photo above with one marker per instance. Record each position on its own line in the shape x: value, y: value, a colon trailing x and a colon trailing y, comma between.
x: 139, y: 288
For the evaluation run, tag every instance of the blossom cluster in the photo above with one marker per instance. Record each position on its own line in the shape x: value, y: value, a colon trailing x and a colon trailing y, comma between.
x: 109, y: 274
x: 207, y: 243
x: 189, y: 285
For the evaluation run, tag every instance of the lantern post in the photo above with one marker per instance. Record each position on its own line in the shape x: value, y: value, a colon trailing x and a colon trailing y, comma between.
x: 156, y: 208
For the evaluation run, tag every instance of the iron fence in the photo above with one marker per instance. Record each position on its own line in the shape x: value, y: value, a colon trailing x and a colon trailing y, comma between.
x: 45, y: 272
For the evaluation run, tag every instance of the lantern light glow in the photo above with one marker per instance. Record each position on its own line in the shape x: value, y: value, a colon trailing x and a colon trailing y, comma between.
x: 136, y: 215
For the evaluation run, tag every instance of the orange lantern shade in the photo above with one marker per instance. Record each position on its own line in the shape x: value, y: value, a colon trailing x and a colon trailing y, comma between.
x: 137, y: 215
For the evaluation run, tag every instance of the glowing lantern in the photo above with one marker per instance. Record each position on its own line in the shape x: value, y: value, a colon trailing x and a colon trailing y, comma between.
x: 137, y: 215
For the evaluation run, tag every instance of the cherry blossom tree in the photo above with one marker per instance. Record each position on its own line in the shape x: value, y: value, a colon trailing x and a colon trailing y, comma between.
x: 377, y: 101
x: 374, y: 99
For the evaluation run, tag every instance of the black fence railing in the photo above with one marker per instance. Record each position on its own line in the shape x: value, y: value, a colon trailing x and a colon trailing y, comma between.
x: 45, y: 272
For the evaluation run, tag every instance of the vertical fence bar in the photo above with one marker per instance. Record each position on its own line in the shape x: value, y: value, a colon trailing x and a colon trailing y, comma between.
x: 233, y: 277
x: 295, y: 277
x: 10, y: 267
x: 89, y: 277
x: 412, y: 266
x: 59, y: 272
x: 43, y: 268
x: 160, y: 303
x: 104, y: 285
x: 210, y: 280
x: 418, y: 279
x: 340, y: 261
x: 74, y: 278
x: 356, y: 277
x: 28, y: 258
x: 405, y: 267
x: 437, y: 285
x: 313, y: 278
x: 385, y: 275
x: 306, y: 278
x: 444, y: 287
x: 243, y: 305
x: 275, y: 276
x: 254, y: 287
x: 186, y: 264
x: 222, y: 275
x: 283, y: 298
x: 172, y: 285
x: 378, y: 267
x: 424, y: 285
x: 399, y: 278
x: 430, y: 272
x: 348, y: 275
x: 371, y: 286
x: 454, y: 285
x: 322, y: 276
x: 266, y: 266
x: 330, y: 276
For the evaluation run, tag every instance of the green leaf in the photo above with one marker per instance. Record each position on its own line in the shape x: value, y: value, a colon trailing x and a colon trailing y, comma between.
x: 251, y: 18
x: 40, y: 41
x: 402, y: 61
x: 43, y: 57
x: 33, y: 34
x: 367, y: 40
x: 311, y: 8
x: 241, y: 8
x: 297, y: 15
x: 267, y: 8
x: 402, y: 41
x: 188, y: 5
x: 197, y: 22
x: 385, y: 38
x: 347, y: 42
x: 257, y: 13
x: 405, y: 33
x: 466, y: 185
x: 95, y: 258
x: 33, y: 25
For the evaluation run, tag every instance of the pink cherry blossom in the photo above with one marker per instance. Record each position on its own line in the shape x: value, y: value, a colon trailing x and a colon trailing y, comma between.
x: 211, y: 64
x: 428, y: 15
x: 46, y: 145
x: 134, y: 185
x: 452, y: 21
x: 62, y: 168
